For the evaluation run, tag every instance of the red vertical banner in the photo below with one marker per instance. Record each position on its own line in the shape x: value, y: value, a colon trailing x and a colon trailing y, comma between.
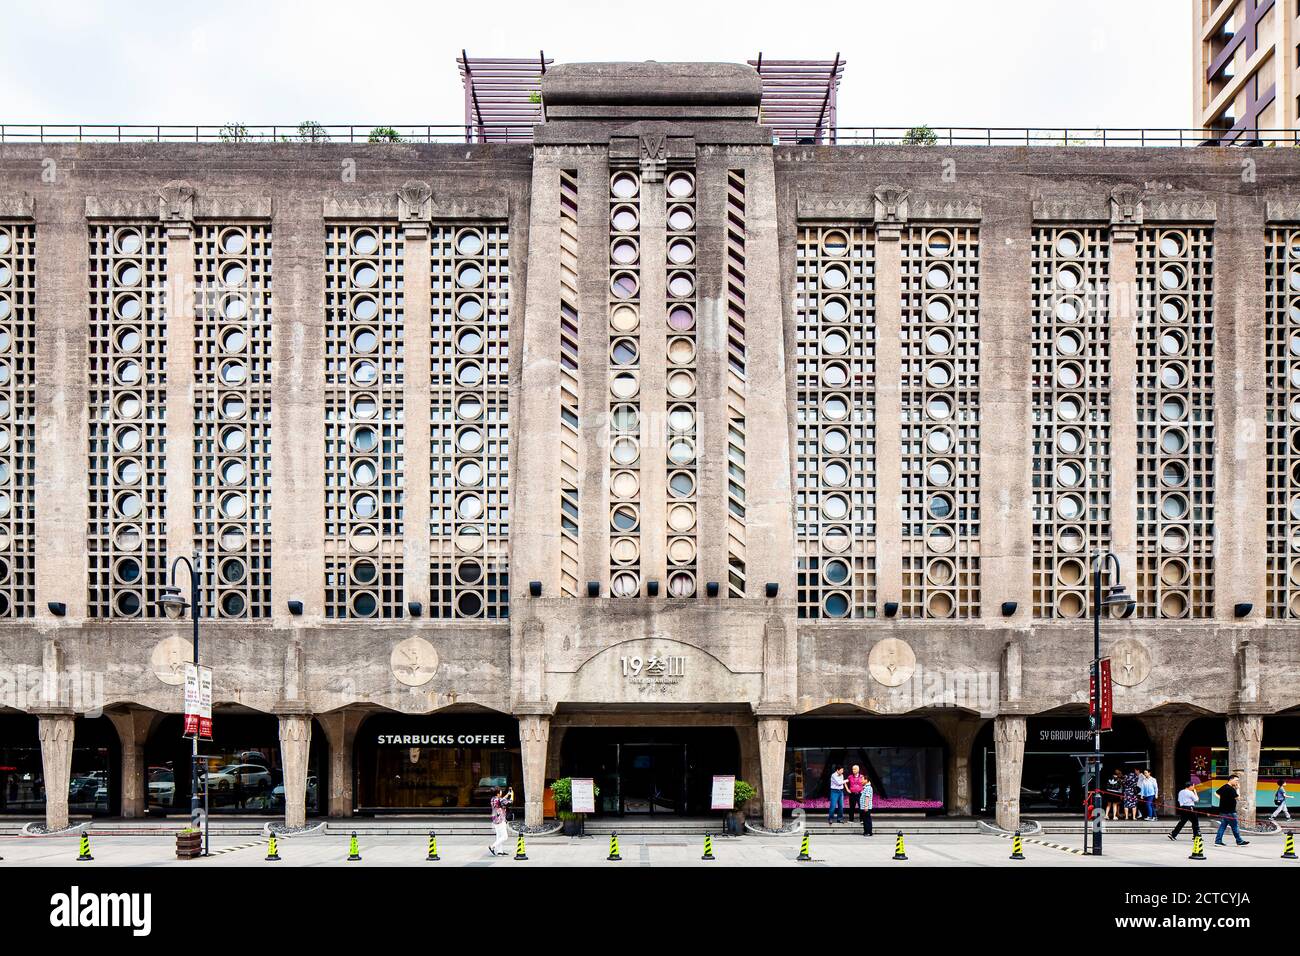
x: 1107, y: 694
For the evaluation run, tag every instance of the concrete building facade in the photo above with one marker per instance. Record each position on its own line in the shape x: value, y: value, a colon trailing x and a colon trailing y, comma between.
x: 1246, y: 69
x: 647, y: 452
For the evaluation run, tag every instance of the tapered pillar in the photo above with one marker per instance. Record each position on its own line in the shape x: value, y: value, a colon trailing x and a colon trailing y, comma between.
x: 295, y: 748
x: 133, y: 729
x: 340, y: 729
x: 1009, y: 743
x: 773, y: 732
x: 1245, y: 733
x: 534, y: 735
x: 55, y: 731
x: 959, y: 734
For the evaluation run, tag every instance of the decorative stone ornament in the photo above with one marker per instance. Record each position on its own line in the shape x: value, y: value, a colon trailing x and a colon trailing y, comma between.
x: 654, y: 155
x: 415, y: 208
x: 176, y: 208
x: 891, y: 662
x: 170, y: 655
x: 414, y: 661
x: 1130, y: 662
x: 1125, y: 212
x: 890, y: 211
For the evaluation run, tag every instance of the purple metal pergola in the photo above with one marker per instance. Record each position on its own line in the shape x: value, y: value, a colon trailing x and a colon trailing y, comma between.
x: 503, y: 97
x: 800, y: 98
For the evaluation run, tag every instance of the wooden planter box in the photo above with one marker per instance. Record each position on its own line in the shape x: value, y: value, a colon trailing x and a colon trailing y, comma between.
x: 189, y: 845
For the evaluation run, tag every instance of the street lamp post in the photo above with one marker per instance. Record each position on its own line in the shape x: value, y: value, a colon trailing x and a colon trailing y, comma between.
x: 174, y: 605
x: 1114, y: 597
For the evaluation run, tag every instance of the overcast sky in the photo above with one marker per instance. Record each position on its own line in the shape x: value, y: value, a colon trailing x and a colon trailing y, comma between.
x: 1080, y: 63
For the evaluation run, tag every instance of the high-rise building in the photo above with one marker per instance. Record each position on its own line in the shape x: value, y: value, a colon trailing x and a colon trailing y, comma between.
x: 1246, y: 69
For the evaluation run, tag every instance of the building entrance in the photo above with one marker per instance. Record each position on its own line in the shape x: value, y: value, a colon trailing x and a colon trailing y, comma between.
x: 644, y: 771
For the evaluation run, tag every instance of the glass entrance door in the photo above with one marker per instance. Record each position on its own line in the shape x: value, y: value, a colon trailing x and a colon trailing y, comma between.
x: 653, y: 777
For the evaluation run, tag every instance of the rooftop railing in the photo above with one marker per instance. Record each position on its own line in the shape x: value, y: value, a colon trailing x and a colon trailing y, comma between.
x: 459, y: 133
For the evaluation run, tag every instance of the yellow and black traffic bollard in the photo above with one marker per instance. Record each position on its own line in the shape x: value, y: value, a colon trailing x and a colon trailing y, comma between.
x: 900, y: 853
x: 353, y: 852
x: 613, y: 847
x: 520, y: 854
x: 708, y: 847
x: 433, y: 848
x: 803, y: 856
x: 1198, y: 848
x: 1288, y: 846
x: 85, y: 848
x: 272, y: 851
x: 1017, y: 851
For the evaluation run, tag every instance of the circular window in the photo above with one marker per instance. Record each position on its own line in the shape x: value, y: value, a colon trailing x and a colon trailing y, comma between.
x: 1174, y: 474
x: 1174, y: 507
x: 469, y: 440
x: 836, y: 540
x: 364, y: 372
x: 233, y: 274
x: 938, y: 342
x: 1069, y: 441
x: 681, y: 484
x: 364, y: 438
x: 835, y: 243
x: 128, y: 274
x: 938, y: 374
x: 1069, y: 343
x: 681, y: 518
x: 128, y: 241
x: 232, y: 471
x: 364, y: 604
x: 624, y: 451
x: 364, y: 572
x: 939, y: 441
x: 836, y: 604
x: 938, y: 310
x: 1069, y: 310
x: 681, y: 251
x: 939, y: 604
x: 681, y: 452
x: 469, y: 308
x: 233, y: 538
x: 1173, y: 604
x: 1172, y: 375
x: 1069, y: 507
x: 233, y: 340
x: 469, y: 572
x: 835, y: 277
x: 835, y: 374
x: 1172, y: 342
x: 233, y: 373
x: 469, y: 507
x: 469, y: 474
x: 1070, y: 540
x: 1172, y: 244
x: 834, y: 473
x: 939, y: 472
x: 835, y: 408
x: 940, y: 540
x: 468, y: 276
x: 835, y: 441
x: 835, y: 342
x: 365, y: 308
x: 940, y: 571
x: 232, y: 604
x: 681, y: 418
x: 126, y: 438
x: 681, y: 384
x: 234, y: 308
x: 233, y: 504
x: 939, y: 407
x: 623, y: 352
x: 624, y: 385
x: 127, y: 307
x: 624, y: 318
x: 6, y: 308
x: 1174, y: 539
x: 1173, y: 309
x: 1173, y: 408
x: 128, y: 604
x: 1067, y: 244
x: 835, y: 507
x: 624, y: 218
x: 232, y: 571
x: 5, y: 242
x: 624, y: 285
x: 939, y: 507
x: 1172, y: 277
x: 939, y: 242
x: 624, y: 584
x: 364, y: 472
x: 364, y: 242
x: 233, y: 242
x: 1069, y: 375
x: 1068, y: 277
x: 681, y: 185
x: 624, y: 518
x: 127, y: 372
x: 1070, y: 604
x: 938, y: 277
x: 626, y: 484
x: 364, y: 407
x: 624, y: 252
x: 364, y: 340
x: 127, y: 537
x: 1173, y: 441
x: 681, y: 585
x: 469, y: 242
x: 128, y: 505
x: 624, y: 185
x: 625, y: 418
x: 624, y: 550
x: 1070, y: 572
x: 1069, y: 474
x: 469, y: 374
x: 681, y: 285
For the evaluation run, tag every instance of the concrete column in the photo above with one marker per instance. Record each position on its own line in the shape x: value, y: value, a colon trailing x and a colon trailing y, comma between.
x: 553, y: 753
x: 415, y: 400
x: 179, y: 303
x: 1009, y: 744
x: 1165, y: 731
x: 55, y: 732
x: 340, y: 728
x: 652, y: 398
x: 773, y: 732
x: 295, y: 748
x: 751, y: 764
x: 534, y: 734
x: 133, y: 729
x: 889, y: 370
x: 1245, y: 733
x: 1123, y: 401
x: 959, y: 732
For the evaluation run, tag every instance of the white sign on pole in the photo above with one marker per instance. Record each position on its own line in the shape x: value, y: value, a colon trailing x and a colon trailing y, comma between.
x: 724, y: 793
x: 584, y: 795
x: 198, y: 701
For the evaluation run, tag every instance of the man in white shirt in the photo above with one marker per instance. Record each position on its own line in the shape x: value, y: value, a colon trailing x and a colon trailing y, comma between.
x: 1187, y: 811
x: 837, y: 797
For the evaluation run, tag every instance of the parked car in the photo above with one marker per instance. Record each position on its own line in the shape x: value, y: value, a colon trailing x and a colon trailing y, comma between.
x: 162, y: 786
x: 277, y: 795
x: 246, y: 775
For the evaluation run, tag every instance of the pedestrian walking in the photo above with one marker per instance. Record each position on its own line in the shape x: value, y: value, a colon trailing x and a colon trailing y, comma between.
x: 853, y: 784
x: 1130, y: 791
x: 837, y: 797
x: 1279, y: 801
x: 1228, y: 795
x: 866, y: 801
x: 1149, y: 787
x: 501, y: 801
x: 1187, y: 811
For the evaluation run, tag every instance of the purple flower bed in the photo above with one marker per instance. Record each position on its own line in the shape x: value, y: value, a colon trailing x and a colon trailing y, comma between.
x: 878, y: 803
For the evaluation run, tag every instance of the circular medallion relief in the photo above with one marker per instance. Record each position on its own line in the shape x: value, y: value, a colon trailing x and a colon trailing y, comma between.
x: 891, y: 662
x: 1130, y: 662
x: 414, y: 661
x: 170, y: 655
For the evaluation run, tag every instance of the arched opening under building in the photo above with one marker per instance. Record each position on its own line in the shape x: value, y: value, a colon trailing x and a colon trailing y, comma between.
x: 240, y: 768
x: 94, y: 785
x: 651, y: 770
x: 452, y: 762
x: 1054, y: 775
x: 905, y: 758
x: 1202, y: 758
